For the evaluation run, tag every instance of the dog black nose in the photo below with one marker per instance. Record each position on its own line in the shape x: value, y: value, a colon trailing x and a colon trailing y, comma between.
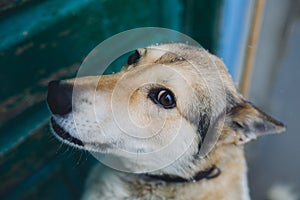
x: 59, y: 97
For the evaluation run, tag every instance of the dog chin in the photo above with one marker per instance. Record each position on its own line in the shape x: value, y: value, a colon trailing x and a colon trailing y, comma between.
x: 64, y: 136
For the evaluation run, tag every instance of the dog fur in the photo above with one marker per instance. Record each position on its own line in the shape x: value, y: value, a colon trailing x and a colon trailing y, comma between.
x: 207, y: 103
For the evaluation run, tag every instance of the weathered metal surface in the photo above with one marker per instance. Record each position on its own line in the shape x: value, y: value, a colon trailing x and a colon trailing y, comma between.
x: 38, y: 162
x: 9, y: 5
x: 45, y: 40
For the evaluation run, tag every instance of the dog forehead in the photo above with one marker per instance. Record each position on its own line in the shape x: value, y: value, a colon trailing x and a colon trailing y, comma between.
x: 200, y: 59
x: 177, y: 53
x: 188, y: 58
x: 186, y: 52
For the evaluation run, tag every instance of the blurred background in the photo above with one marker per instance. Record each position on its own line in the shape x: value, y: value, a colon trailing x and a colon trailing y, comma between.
x: 43, y: 40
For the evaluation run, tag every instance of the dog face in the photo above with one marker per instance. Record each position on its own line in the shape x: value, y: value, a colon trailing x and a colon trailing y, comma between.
x: 163, y: 104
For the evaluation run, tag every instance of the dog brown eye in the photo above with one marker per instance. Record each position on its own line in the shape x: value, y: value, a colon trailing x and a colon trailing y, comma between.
x: 134, y: 58
x: 164, y: 97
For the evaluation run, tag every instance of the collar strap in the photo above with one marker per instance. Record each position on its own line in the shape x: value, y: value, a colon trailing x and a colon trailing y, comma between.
x: 210, y: 173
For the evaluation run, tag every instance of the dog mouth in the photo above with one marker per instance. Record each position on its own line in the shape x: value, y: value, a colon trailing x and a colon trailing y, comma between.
x: 64, y: 135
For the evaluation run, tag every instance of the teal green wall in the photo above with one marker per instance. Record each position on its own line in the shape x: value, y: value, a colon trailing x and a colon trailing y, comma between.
x: 45, y: 40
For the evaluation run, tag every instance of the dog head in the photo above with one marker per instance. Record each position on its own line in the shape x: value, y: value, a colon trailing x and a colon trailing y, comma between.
x: 169, y: 105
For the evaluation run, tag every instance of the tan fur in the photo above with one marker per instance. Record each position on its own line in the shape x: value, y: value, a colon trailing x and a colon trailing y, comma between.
x: 207, y: 102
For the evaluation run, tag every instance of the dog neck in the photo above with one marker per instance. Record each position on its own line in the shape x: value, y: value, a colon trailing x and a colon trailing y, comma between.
x: 215, y: 179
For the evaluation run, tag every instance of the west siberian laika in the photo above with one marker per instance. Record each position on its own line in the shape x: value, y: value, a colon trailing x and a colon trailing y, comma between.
x: 172, y: 115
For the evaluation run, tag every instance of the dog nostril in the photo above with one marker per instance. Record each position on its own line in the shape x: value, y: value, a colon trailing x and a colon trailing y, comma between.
x: 59, y: 97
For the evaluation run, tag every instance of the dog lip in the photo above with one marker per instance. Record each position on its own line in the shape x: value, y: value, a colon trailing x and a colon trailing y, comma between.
x: 64, y: 134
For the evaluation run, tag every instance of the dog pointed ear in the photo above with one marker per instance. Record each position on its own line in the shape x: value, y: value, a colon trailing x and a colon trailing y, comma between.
x: 250, y: 122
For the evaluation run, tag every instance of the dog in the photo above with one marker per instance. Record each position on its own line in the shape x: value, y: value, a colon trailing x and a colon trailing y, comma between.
x: 172, y: 116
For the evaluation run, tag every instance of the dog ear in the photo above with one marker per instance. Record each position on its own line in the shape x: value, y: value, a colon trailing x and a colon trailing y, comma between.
x: 250, y: 122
